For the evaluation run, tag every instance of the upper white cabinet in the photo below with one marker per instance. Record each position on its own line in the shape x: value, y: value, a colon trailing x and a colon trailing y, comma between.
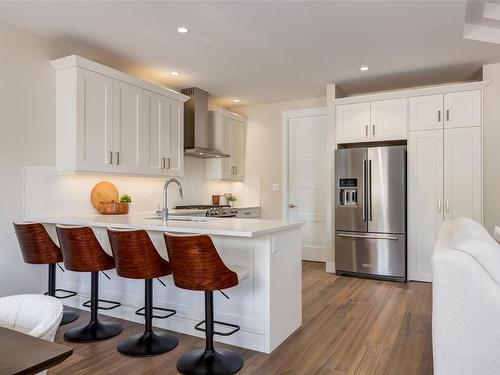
x: 450, y: 110
x: 227, y: 133
x: 353, y: 122
x: 108, y: 121
x: 426, y: 112
x: 163, y: 136
x: 462, y: 109
x: 388, y: 120
x: 128, y: 108
x: 381, y: 120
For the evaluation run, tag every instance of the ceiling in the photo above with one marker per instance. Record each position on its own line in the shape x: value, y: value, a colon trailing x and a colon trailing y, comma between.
x: 267, y: 51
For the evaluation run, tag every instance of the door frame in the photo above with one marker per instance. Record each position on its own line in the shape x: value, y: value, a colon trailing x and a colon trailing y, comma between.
x: 286, y: 116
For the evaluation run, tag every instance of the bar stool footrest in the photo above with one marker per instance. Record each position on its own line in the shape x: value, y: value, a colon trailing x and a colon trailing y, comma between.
x: 170, y: 312
x: 235, y: 327
x: 113, y: 304
x: 69, y: 293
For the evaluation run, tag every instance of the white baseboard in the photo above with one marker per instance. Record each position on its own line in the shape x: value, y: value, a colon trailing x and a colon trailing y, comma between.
x: 330, y: 267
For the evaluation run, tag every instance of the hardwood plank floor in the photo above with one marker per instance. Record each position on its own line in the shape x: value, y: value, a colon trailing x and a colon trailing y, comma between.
x: 350, y: 326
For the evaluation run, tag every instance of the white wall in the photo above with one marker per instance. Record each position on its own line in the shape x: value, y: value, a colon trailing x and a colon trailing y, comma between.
x: 27, y: 136
x: 264, y: 148
x: 491, y: 142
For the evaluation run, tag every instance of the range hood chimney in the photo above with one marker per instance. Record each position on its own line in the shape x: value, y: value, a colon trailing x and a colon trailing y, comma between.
x: 196, y: 142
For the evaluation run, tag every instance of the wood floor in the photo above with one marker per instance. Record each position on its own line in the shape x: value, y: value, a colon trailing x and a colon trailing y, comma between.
x: 350, y: 326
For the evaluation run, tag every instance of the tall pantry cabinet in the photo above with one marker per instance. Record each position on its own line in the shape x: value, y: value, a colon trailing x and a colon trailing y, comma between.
x: 444, y: 170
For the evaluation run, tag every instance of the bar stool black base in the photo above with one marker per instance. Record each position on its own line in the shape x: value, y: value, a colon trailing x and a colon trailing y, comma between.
x: 93, y: 331
x: 147, y: 345
x: 68, y: 317
x: 210, y: 362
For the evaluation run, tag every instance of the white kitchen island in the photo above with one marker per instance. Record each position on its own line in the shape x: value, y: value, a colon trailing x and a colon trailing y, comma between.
x: 267, y: 304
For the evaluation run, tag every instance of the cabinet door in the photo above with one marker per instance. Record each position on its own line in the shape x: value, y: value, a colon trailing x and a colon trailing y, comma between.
x: 174, y: 137
x: 237, y: 150
x: 462, y: 109
x: 94, y: 122
x: 127, y: 130
x: 352, y: 123
x: 156, y: 117
x: 426, y: 112
x: 462, y: 173
x: 388, y: 120
x: 425, y: 188
x: 227, y: 163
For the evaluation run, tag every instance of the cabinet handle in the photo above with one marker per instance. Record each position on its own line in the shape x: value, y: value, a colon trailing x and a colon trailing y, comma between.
x: 110, y: 157
x: 447, y: 115
x: 366, y: 130
x: 439, y: 205
x: 117, y: 158
x: 373, y: 129
x: 235, y: 169
x: 168, y: 163
x: 447, y: 205
x: 439, y: 116
x: 163, y: 163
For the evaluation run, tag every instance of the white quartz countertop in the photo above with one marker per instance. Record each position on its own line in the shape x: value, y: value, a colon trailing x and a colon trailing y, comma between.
x: 185, y: 224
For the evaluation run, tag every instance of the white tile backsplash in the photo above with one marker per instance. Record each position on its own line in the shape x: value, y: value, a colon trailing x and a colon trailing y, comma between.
x: 48, y: 193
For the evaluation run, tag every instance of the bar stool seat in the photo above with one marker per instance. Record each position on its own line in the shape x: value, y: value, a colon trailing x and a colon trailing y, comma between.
x: 137, y: 258
x: 196, y: 265
x: 38, y: 248
x: 83, y: 253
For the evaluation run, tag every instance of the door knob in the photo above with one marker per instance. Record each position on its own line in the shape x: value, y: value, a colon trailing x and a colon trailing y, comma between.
x: 291, y: 205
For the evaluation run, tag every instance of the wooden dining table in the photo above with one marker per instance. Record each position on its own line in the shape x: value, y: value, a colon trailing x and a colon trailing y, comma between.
x: 25, y: 354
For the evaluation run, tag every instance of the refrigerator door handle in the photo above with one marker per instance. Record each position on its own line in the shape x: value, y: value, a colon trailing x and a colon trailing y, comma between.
x: 369, y: 191
x: 368, y: 236
x: 364, y: 190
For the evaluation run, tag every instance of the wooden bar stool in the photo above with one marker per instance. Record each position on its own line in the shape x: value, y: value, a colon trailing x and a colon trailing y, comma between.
x: 83, y: 253
x: 196, y: 265
x: 137, y: 258
x: 38, y: 248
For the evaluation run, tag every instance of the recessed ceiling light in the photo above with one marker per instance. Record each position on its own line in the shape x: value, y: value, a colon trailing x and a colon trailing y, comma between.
x: 363, y: 68
x: 236, y: 100
x: 174, y: 73
x: 182, y: 30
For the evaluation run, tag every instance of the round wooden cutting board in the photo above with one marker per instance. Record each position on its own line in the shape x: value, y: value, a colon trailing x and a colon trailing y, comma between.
x: 103, y: 191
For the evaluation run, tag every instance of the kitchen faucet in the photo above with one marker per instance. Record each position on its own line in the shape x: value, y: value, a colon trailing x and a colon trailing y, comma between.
x: 164, y: 211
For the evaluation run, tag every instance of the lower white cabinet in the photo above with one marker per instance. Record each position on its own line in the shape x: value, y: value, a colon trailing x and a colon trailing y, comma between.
x: 425, y: 200
x: 444, y: 182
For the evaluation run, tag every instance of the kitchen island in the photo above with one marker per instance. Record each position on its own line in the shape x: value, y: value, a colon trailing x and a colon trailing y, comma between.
x: 267, y: 304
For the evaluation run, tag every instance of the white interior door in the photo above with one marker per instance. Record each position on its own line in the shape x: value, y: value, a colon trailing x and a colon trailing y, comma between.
x: 307, y: 183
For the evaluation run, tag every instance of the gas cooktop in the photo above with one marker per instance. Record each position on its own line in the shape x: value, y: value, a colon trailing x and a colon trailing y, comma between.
x: 200, y: 207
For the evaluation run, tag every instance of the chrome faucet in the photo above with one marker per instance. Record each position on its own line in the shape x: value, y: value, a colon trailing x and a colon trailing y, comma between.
x: 164, y: 211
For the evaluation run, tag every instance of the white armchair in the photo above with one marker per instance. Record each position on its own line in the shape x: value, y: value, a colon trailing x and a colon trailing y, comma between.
x: 466, y: 300
x: 33, y: 314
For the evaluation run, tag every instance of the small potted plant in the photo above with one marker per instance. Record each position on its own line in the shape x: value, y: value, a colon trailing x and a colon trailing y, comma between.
x: 231, y: 198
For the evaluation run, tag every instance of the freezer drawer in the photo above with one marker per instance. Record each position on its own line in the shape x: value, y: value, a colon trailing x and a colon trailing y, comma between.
x: 371, y: 254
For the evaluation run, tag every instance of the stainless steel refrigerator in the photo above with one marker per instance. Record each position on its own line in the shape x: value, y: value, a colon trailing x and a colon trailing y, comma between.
x: 370, y: 212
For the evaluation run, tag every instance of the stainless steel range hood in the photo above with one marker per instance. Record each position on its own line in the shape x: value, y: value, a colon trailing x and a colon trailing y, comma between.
x: 196, y: 135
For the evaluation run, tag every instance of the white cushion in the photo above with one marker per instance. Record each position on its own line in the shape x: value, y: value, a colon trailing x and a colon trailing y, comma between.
x: 34, y: 314
x: 472, y: 238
